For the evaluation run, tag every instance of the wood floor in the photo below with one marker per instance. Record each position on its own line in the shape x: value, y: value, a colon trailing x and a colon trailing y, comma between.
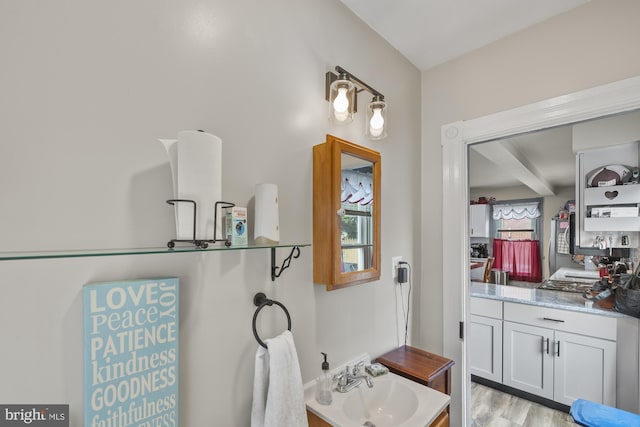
x: 493, y: 408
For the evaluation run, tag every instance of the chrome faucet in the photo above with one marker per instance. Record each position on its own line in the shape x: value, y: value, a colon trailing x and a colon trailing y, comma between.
x: 348, y: 380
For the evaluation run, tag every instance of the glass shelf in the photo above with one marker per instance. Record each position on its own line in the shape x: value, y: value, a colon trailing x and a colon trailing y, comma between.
x: 10, y: 256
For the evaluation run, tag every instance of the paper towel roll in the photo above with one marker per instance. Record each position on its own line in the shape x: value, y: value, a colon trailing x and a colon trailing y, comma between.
x: 266, y: 228
x: 196, y: 166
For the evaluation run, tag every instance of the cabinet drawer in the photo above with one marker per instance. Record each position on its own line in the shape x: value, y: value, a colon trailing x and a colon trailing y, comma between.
x: 613, y: 195
x: 486, y: 307
x: 612, y: 224
x: 562, y: 320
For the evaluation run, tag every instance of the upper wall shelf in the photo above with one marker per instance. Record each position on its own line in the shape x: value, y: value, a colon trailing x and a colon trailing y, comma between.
x: 10, y: 256
x: 276, y: 270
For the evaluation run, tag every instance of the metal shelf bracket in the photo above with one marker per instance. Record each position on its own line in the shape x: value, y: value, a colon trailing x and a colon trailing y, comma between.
x: 277, y: 271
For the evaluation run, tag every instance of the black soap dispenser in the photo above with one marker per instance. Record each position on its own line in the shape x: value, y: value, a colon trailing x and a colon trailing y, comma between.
x: 324, y: 383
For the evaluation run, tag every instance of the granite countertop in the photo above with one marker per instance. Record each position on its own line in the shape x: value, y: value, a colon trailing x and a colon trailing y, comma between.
x: 540, y: 297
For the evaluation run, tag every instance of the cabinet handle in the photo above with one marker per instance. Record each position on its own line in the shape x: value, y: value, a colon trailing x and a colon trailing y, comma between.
x: 558, y: 348
x: 543, y: 347
x: 553, y: 320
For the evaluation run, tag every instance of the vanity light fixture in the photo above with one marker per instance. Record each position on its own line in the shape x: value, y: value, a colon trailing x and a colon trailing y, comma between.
x: 375, y: 126
x: 342, y: 99
x: 341, y: 90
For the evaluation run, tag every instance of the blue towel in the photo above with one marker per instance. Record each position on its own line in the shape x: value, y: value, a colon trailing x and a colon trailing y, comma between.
x: 591, y: 414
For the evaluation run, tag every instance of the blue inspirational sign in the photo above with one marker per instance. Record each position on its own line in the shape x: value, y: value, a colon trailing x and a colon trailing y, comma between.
x: 131, y: 353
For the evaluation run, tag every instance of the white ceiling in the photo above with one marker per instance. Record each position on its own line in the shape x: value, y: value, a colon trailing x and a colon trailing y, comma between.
x: 547, y: 154
x: 431, y: 32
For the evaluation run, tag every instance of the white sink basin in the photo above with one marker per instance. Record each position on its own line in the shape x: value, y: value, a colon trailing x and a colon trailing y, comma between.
x: 393, y: 401
x: 388, y: 404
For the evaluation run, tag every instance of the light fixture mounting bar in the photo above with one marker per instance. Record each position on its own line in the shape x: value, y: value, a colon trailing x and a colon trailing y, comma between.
x: 354, y: 79
x: 330, y: 77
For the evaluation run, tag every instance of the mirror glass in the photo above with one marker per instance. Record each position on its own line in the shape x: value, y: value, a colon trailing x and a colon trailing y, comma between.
x: 356, y: 222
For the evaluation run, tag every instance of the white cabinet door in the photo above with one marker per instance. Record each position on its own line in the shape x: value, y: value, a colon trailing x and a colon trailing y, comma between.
x: 479, y: 220
x: 584, y: 368
x: 528, y: 359
x: 485, y: 335
x: 559, y: 365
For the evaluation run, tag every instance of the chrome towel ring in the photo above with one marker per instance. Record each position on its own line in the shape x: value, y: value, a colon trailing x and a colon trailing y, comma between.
x: 260, y: 300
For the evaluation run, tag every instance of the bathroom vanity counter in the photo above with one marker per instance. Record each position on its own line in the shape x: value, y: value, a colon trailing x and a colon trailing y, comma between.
x: 393, y: 400
x: 539, y: 297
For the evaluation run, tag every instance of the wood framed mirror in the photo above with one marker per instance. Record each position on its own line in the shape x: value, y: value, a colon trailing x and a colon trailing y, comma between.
x: 346, y: 213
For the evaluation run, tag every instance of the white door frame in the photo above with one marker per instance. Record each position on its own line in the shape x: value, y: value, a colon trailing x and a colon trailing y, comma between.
x: 608, y: 99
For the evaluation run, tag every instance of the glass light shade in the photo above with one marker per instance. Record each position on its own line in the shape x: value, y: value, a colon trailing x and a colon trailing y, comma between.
x: 376, y: 123
x: 341, y: 100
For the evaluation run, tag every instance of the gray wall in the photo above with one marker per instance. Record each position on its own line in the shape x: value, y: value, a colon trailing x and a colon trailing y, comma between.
x: 588, y: 46
x: 585, y: 47
x: 88, y: 87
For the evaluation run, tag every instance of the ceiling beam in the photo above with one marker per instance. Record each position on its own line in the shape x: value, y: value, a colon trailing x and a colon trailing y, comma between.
x: 510, y: 160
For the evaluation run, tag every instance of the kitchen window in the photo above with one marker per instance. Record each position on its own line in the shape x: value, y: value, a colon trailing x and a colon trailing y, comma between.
x: 521, y: 220
x: 517, y: 225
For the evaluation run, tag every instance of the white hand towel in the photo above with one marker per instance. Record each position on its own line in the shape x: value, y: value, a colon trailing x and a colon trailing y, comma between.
x: 278, y: 392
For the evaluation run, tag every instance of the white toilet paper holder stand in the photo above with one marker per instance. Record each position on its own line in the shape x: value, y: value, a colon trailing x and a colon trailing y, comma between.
x: 203, y: 244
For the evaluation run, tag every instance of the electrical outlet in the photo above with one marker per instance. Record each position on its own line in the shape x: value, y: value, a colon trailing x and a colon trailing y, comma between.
x: 394, y: 267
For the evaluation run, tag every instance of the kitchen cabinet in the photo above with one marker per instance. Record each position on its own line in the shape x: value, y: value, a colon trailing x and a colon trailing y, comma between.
x: 584, y: 367
x: 604, y: 214
x: 485, y: 335
x: 527, y: 366
x: 560, y: 355
x: 485, y: 339
x: 612, y: 208
x: 479, y: 220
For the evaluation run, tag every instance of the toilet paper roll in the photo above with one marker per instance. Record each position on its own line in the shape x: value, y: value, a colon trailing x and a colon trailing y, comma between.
x: 266, y: 228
